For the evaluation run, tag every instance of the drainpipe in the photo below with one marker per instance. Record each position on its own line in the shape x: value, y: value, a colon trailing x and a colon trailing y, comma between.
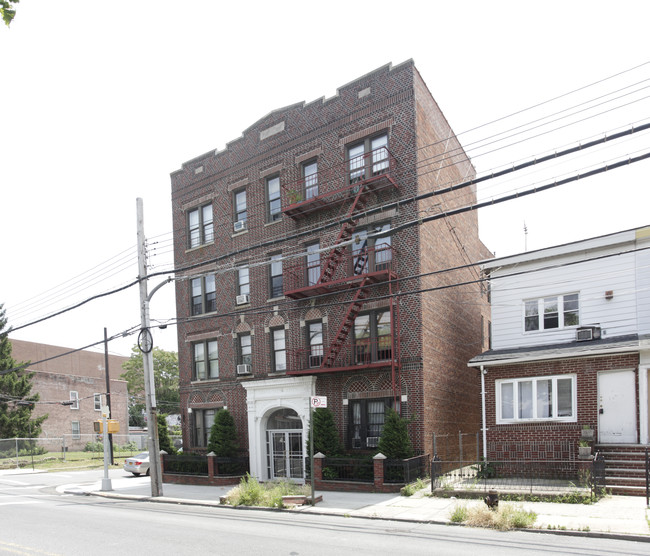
x: 483, y: 373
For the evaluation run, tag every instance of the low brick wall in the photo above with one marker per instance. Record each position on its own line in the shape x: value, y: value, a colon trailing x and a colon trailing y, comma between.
x: 377, y: 485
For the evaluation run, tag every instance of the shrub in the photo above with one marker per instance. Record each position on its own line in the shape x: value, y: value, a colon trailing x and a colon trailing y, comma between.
x: 506, y: 517
x: 164, y: 441
x: 223, y: 436
x: 94, y: 447
x: 250, y: 492
x: 326, y: 436
x: 459, y: 514
x: 395, y: 442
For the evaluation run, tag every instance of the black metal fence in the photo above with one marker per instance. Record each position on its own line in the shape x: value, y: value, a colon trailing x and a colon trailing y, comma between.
x: 198, y: 465
x: 406, y: 470
x: 348, y: 469
x: 527, y: 476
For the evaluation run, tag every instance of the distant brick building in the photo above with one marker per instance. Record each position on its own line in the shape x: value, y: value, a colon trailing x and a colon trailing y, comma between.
x: 307, y: 272
x: 78, y: 377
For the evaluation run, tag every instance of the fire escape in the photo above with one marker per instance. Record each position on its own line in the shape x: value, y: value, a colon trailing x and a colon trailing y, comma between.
x: 349, y: 264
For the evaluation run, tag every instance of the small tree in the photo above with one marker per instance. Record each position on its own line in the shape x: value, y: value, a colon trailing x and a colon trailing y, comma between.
x: 395, y: 442
x: 326, y: 436
x: 164, y: 442
x: 223, y: 435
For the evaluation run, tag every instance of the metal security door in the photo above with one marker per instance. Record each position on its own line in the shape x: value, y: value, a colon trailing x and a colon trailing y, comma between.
x: 616, y: 407
x: 286, y: 455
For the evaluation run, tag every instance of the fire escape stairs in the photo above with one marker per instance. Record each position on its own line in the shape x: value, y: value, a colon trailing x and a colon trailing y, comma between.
x: 347, y: 325
x: 349, y: 225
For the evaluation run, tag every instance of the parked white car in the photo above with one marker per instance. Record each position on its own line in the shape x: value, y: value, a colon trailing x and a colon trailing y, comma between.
x: 137, y: 464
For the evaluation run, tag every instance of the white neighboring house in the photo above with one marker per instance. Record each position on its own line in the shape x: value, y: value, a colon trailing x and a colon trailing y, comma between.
x: 570, y: 345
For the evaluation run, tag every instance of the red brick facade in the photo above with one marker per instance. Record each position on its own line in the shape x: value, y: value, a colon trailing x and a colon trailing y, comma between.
x: 435, y: 328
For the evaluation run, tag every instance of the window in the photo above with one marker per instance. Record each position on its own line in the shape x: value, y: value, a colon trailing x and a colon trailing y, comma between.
x: 547, y: 313
x: 243, y: 281
x: 203, y: 419
x: 310, y: 177
x: 244, y: 349
x: 205, y: 360
x: 313, y: 264
x: 369, y: 158
x: 273, y: 199
x: 204, y: 295
x: 241, y: 210
x: 275, y: 270
x: 76, y: 429
x: 200, y: 226
x: 371, y: 254
x: 98, y: 402
x: 547, y: 398
x: 74, y: 398
x: 372, y: 337
x: 315, y: 341
x: 279, y: 350
x: 366, y: 418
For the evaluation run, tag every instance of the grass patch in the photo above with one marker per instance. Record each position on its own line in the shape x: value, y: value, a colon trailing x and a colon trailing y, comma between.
x: 505, y: 518
x: 250, y: 492
x: 412, y: 488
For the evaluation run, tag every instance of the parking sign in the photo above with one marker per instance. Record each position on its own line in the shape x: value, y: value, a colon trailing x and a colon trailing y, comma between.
x: 318, y: 401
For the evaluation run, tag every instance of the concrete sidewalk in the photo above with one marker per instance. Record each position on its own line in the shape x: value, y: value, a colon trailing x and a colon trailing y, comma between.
x: 615, y: 515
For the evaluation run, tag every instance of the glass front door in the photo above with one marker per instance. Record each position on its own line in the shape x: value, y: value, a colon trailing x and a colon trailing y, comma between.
x: 286, y: 458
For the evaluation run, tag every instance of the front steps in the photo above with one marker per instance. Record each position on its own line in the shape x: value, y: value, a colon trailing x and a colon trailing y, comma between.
x: 624, y: 468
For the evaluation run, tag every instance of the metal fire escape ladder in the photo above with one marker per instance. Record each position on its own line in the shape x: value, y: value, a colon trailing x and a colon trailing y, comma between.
x: 349, y: 225
x: 347, y: 325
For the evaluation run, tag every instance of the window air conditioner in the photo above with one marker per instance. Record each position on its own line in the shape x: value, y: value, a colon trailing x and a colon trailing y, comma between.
x: 585, y: 333
x: 315, y: 361
x: 240, y: 225
x: 242, y: 299
x: 243, y: 369
x: 372, y: 441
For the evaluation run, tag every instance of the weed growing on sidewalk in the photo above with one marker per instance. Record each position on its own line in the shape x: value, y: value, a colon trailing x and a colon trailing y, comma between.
x: 506, y: 517
x: 250, y: 492
x: 412, y: 488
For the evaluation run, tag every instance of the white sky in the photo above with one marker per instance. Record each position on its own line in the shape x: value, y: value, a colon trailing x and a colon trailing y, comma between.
x: 101, y: 102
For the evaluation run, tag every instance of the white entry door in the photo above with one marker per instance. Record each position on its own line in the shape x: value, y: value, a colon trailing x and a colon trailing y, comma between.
x: 286, y: 461
x: 617, y: 407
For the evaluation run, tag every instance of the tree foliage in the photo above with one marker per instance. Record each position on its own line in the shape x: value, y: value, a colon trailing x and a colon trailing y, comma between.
x: 7, y: 10
x: 16, y: 400
x: 165, y: 371
x: 394, y: 442
x: 223, y: 435
x: 326, y: 436
x: 164, y: 441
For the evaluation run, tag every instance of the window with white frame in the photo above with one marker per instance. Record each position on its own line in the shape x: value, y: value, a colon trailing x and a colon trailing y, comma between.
x: 544, y: 398
x: 204, y: 294
x: 310, y: 176
x: 76, y: 429
x: 97, y: 398
x: 547, y: 313
x: 243, y: 281
x: 368, y: 158
x: 315, y: 339
x: 279, y: 350
x: 240, y: 208
x: 244, y: 349
x: 200, y: 226
x: 275, y: 270
x: 202, y: 421
x: 313, y: 264
x: 74, y: 398
x: 205, y: 361
x: 274, y: 209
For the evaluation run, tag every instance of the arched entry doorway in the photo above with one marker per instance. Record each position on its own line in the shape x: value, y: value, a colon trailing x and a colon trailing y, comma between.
x: 284, y: 445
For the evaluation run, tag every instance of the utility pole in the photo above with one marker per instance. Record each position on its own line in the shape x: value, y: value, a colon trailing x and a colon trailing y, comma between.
x: 108, y: 390
x: 145, y: 343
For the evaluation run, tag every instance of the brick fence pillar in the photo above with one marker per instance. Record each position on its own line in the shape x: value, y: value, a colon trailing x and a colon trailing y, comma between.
x: 378, y: 462
x: 212, y: 465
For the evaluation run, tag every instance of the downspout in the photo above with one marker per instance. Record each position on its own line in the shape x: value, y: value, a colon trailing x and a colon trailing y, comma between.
x: 483, y: 372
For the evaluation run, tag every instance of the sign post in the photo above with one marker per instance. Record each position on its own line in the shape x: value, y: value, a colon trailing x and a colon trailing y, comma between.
x: 314, y: 402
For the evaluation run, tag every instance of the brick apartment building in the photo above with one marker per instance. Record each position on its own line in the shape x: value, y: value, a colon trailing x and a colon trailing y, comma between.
x: 303, y: 269
x: 78, y: 377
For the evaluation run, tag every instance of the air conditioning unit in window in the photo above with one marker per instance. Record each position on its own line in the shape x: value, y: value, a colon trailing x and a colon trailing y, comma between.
x: 239, y: 226
x: 242, y: 299
x: 315, y: 361
x: 585, y: 333
x: 243, y: 369
x: 372, y: 441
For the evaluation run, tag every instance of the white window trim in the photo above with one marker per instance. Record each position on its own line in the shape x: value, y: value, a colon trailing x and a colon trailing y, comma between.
x: 97, y: 396
x: 74, y: 397
x: 514, y: 381
x: 75, y: 435
x: 540, y: 313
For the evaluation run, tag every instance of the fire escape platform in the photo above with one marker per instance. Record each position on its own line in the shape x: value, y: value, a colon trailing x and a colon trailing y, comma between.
x: 341, y: 284
x: 357, y: 367
x: 335, y: 197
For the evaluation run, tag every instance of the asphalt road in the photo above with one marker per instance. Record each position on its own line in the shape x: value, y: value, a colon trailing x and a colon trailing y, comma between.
x: 35, y: 519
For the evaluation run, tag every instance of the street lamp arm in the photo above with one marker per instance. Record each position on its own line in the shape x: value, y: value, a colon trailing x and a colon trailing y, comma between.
x: 169, y: 279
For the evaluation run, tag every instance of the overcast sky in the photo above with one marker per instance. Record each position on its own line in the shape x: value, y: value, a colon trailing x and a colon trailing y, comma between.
x: 101, y: 102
